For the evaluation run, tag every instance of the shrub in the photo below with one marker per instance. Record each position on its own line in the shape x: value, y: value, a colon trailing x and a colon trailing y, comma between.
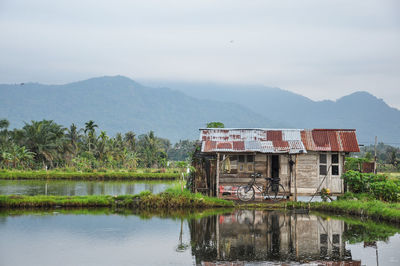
x: 376, y: 184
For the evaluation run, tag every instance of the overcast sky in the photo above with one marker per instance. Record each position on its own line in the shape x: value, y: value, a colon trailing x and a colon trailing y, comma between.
x: 320, y: 49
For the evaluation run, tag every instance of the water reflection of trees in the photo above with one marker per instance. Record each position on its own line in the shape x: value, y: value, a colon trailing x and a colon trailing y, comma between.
x: 250, y: 235
x: 79, y: 188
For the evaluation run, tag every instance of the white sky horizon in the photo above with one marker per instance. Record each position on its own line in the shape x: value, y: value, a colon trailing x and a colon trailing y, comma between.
x: 320, y: 49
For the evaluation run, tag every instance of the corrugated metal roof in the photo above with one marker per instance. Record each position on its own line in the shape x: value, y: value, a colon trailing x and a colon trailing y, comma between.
x: 252, y: 140
x: 278, y: 140
x: 344, y: 140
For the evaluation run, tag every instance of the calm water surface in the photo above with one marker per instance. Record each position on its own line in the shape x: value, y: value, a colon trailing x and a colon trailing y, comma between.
x: 80, y: 188
x: 243, y: 237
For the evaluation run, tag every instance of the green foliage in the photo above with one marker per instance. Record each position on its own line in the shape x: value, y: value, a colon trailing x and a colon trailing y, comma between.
x: 215, y: 125
x: 172, y: 198
x: 182, y: 150
x: 84, y: 175
x: 354, y: 164
x: 357, y: 230
x: 388, y: 156
x: 47, y: 145
x: 378, y: 185
x: 374, y: 209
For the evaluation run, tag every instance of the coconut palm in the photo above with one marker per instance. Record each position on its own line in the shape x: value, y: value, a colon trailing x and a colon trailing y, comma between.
x: 74, y: 137
x: 130, y: 140
x: 90, y: 127
x: 4, y: 124
x: 46, y: 139
x: 149, y: 149
x: 102, y: 147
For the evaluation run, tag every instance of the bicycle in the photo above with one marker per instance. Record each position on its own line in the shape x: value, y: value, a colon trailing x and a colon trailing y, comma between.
x: 273, y: 190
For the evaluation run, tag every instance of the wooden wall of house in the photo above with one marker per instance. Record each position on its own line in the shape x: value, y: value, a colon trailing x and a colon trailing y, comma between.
x: 308, y: 174
x: 306, y: 171
x: 284, y: 171
x: 262, y: 164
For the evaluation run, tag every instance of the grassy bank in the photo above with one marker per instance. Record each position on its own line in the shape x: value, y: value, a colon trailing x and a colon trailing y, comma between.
x: 372, y: 209
x: 174, y: 213
x: 172, y: 198
x: 6, y: 174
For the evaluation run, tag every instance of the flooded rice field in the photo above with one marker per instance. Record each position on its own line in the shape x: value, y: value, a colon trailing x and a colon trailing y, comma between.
x: 241, y: 237
x: 80, y: 188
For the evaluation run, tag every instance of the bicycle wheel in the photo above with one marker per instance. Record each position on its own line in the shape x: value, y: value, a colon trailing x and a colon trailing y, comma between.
x: 276, y: 192
x: 279, y: 193
x: 245, y: 193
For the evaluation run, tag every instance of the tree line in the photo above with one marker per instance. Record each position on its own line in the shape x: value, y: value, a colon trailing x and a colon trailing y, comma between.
x: 46, y: 144
x: 388, y: 157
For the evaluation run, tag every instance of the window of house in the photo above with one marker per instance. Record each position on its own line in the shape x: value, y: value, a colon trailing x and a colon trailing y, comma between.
x: 335, y: 238
x: 323, y: 164
x: 335, y: 164
x: 245, y: 163
x: 323, y: 239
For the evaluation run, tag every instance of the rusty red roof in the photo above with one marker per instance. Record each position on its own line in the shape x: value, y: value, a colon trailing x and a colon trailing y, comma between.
x: 344, y: 140
x: 278, y: 140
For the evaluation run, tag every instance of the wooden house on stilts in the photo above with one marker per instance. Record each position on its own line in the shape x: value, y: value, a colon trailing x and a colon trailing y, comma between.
x: 304, y: 160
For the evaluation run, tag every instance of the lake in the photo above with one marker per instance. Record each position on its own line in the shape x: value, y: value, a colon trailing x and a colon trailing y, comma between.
x: 242, y: 237
x: 80, y: 188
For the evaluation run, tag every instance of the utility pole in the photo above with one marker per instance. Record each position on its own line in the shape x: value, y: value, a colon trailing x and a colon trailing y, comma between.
x: 376, y: 140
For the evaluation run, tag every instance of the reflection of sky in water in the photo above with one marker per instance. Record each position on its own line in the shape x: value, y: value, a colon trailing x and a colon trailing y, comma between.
x: 388, y: 253
x: 91, y: 240
x: 67, y: 239
x: 81, y: 188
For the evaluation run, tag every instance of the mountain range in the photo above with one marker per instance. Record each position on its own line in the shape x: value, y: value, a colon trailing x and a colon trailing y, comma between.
x: 119, y: 104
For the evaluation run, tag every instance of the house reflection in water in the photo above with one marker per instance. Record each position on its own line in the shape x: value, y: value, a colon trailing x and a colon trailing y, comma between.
x: 251, y: 235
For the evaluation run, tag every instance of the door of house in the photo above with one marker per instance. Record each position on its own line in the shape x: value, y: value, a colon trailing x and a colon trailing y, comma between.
x: 275, y: 166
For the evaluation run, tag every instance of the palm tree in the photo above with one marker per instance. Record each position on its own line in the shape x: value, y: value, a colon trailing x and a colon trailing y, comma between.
x: 46, y: 139
x: 4, y: 124
x: 101, y: 147
x: 149, y: 149
x: 74, y: 137
x: 130, y: 140
x: 90, y: 130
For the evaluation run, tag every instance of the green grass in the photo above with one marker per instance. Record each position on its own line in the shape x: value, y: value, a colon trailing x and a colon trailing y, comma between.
x: 373, y: 209
x: 363, y: 230
x: 175, y: 213
x: 111, y: 175
x: 392, y: 175
x: 172, y: 198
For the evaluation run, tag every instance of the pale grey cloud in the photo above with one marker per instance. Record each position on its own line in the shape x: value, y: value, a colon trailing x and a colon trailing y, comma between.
x: 321, y: 49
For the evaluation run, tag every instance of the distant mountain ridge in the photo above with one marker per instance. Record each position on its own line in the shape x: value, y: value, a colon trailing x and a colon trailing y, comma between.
x: 361, y: 110
x: 119, y: 104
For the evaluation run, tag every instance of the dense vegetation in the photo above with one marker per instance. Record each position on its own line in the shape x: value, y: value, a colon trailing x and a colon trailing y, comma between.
x: 68, y: 175
x: 173, y: 197
x: 353, y: 205
x: 46, y: 144
x: 379, y: 186
x: 388, y: 157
